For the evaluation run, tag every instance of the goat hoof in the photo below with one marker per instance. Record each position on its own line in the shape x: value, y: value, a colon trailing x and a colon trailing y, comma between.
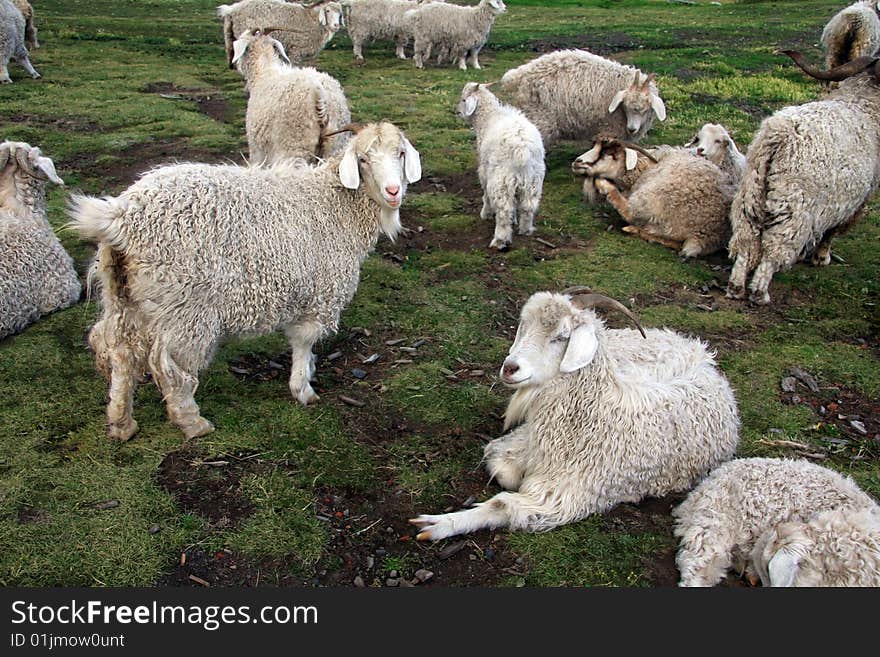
x: 198, y: 428
x: 307, y: 396
x: 433, y: 528
x: 821, y: 260
x: 735, y: 292
x: 501, y: 245
x: 122, y: 432
x: 759, y: 298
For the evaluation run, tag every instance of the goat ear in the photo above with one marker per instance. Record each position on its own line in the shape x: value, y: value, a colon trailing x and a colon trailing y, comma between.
x: 4, y: 155
x: 470, y: 105
x: 692, y: 142
x: 412, y: 162
x: 582, y: 346
x: 784, y: 565
x: 322, y: 16
x: 658, y: 107
x: 616, y: 101
x: 239, y: 48
x: 279, y: 48
x: 592, y: 155
x: 349, y: 174
x: 46, y: 165
x: 631, y: 158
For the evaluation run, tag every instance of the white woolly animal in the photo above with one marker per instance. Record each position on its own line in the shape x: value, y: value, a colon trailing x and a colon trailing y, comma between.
x: 460, y: 31
x: 30, y: 27
x: 510, y: 158
x: 852, y: 32
x: 12, y: 40
x: 601, y: 416
x: 36, y: 273
x: 574, y: 94
x: 679, y: 199
x: 810, y: 172
x: 368, y: 20
x: 714, y: 142
x: 833, y: 548
x: 194, y: 253
x: 289, y: 109
x: 304, y: 30
x: 721, y: 520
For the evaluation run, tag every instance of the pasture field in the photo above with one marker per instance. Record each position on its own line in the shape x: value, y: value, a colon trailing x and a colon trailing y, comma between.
x: 282, y: 495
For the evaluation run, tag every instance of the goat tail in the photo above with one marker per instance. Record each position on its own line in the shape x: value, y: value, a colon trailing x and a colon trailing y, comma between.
x: 748, y: 212
x: 97, y: 219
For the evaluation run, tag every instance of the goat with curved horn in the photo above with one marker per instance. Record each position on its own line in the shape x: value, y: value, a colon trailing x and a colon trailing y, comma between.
x: 836, y: 74
x: 584, y: 298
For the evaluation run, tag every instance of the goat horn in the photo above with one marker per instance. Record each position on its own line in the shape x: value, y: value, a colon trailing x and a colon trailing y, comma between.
x: 835, y: 74
x: 640, y: 149
x: 586, y: 299
x: 351, y: 127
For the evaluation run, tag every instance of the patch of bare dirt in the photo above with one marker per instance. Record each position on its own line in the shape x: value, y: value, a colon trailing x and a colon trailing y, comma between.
x: 209, y: 101
x: 601, y: 44
x: 139, y: 158
x: 66, y: 124
x: 209, y: 487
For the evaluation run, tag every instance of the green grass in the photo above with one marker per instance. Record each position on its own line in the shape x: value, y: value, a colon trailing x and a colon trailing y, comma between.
x: 414, y: 446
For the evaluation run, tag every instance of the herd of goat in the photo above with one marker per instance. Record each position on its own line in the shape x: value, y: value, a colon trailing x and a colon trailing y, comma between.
x: 192, y: 254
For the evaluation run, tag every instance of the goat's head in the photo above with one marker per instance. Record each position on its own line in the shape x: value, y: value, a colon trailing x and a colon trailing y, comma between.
x: 472, y: 94
x: 609, y: 159
x: 495, y: 6
x: 557, y: 334
x: 330, y: 16
x: 638, y: 101
x: 256, y: 45
x: 382, y: 160
x: 17, y: 156
x: 712, y: 142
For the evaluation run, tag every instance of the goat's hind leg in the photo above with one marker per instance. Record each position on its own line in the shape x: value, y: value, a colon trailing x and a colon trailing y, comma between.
x: 513, y: 510
x: 179, y: 384
x: 119, y: 360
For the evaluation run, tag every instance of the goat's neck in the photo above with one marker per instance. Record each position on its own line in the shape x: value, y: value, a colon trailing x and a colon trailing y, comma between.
x: 485, y: 113
x: 629, y: 178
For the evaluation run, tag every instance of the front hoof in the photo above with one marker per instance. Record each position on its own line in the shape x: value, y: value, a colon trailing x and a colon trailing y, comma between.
x: 759, y: 298
x: 307, y: 396
x: 433, y: 528
x: 821, y: 259
x: 501, y: 245
x: 198, y: 428
x: 735, y: 292
x: 36, y: 76
x: 122, y: 432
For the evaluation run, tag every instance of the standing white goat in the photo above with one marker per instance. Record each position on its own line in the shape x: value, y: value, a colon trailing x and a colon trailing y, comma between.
x: 191, y: 254
x: 604, y: 416
x: 574, y: 94
x: 510, y: 162
x: 460, y: 31
x: 290, y: 109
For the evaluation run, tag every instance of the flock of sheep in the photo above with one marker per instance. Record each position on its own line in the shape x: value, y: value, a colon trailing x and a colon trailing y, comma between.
x: 192, y: 254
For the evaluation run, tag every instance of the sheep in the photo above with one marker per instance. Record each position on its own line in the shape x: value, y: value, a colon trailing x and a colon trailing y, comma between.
x: 833, y: 548
x: 721, y: 520
x: 304, y: 30
x: 810, y: 172
x: 574, y: 94
x: 289, y: 109
x: 30, y: 28
x: 12, y: 36
x: 679, y: 200
x: 601, y: 417
x: 366, y: 20
x: 36, y: 273
x: 511, y: 162
x: 461, y: 31
x: 193, y: 253
x: 714, y: 142
x: 852, y: 32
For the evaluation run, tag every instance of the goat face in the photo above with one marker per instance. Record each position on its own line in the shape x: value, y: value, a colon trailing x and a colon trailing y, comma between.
x: 554, y: 336
x: 639, y: 100
x: 604, y: 160
x: 381, y: 158
x: 711, y: 142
